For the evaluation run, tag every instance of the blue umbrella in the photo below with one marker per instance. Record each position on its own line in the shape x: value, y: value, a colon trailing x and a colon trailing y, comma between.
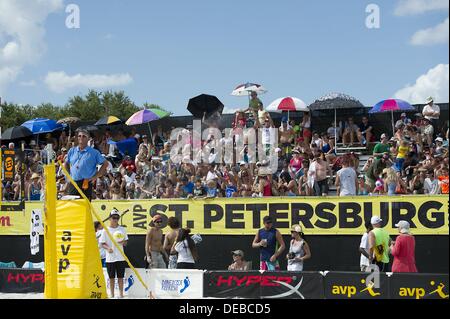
x: 40, y: 125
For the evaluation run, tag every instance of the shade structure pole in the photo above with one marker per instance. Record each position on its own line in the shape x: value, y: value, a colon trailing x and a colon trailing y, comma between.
x: 335, y: 131
x: 150, y: 130
x: 392, y: 120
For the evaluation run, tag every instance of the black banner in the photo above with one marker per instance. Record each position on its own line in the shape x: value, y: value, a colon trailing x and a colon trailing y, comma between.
x: 355, y: 285
x: 292, y: 285
x: 269, y: 285
x: 418, y: 286
x: 227, y: 284
x: 14, y: 280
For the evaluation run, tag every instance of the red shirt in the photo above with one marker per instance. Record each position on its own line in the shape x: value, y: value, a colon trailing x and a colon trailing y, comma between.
x: 404, y: 254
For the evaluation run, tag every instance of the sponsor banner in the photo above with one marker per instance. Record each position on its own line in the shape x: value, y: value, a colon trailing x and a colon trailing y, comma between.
x: 418, y: 286
x: 266, y: 285
x: 132, y: 287
x: 227, y: 284
x: 356, y: 285
x: 176, y: 283
x: 294, y: 285
x: 428, y: 215
x: 21, y: 280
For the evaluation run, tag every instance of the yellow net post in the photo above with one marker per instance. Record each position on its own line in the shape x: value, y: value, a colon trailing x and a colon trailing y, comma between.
x: 104, y: 227
x: 51, y: 287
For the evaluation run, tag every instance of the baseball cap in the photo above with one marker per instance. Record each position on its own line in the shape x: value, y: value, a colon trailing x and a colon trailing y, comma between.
x: 383, y: 135
x: 439, y: 139
x: 296, y: 228
x: 375, y: 220
x: 403, y: 114
x: 114, y: 212
x: 404, y: 226
x: 284, y: 119
x: 238, y: 252
x: 267, y: 219
x: 277, y: 150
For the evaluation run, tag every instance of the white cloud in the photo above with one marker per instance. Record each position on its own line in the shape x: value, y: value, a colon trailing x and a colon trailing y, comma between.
x: 434, y: 83
x: 412, y: 7
x: 22, y: 35
x: 59, y: 81
x: 431, y: 36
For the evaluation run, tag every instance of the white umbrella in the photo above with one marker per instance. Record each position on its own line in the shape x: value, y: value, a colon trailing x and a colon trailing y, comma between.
x: 247, y: 88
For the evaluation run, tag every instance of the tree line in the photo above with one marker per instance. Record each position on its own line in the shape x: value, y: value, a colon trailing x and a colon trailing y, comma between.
x: 91, y: 107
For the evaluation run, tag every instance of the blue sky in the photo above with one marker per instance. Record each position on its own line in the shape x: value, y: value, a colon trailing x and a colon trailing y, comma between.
x: 174, y: 50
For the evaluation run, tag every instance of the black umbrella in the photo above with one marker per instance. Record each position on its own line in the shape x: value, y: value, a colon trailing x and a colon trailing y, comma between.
x: 205, y: 103
x: 16, y: 132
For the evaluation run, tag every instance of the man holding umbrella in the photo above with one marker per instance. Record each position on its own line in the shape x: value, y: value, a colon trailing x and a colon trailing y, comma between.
x: 81, y: 162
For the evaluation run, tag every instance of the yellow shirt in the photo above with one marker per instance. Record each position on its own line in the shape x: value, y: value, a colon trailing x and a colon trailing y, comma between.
x: 402, y: 151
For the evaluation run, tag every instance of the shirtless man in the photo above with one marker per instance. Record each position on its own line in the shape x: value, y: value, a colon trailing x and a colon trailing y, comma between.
x: 154, y: 244
x: 169, y: 240
x: 286, y: 135
x: 318, y: 170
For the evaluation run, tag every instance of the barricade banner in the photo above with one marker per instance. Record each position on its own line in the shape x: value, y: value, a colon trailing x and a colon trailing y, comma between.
x: 418, y: 286
x: 355, y: 285
x: 227, y: 284
x: 266, y: 285
x: 14, y: 280
x: 79, y: 271
x: 292, y: 285
x: 428, y: 215
x: 176, y: 283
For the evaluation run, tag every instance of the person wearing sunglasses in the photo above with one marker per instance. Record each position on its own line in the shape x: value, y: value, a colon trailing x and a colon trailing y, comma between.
x: 239, y: 262
x: 81, y: 163
x: 154, y: 248
x: 115, y: 261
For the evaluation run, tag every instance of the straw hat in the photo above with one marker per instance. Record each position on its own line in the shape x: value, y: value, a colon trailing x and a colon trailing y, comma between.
x: 35, y: 175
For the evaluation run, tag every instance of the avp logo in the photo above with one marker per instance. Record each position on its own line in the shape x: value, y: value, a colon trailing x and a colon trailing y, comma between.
x: 292, y: 290
x: 351, y: 291
x: 419, y: 292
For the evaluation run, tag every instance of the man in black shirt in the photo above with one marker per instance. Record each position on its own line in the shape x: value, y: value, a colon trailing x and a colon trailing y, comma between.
x: 366, y: 130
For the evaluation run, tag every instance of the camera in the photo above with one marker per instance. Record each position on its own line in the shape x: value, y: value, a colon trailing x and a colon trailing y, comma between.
x: 291, y: 255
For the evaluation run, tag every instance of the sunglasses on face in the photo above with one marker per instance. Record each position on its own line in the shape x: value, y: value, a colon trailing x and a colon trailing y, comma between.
x: 116, y: 217
x: 158, y: 222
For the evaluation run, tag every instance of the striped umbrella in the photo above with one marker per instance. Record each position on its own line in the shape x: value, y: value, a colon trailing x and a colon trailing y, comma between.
x: 108, y: 120
x: 287, y: 104
x: 392, y: 105
x: 147, y: 116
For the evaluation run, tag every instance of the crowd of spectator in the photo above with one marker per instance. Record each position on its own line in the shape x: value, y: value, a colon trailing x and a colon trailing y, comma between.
x: 413, y: 161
